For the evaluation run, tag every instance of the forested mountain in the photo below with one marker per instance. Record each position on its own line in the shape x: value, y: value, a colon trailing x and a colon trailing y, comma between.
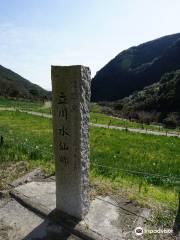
x: 13, y: 85
x: 136, y: 68
x: 163, y: 96
x: 159, y: 102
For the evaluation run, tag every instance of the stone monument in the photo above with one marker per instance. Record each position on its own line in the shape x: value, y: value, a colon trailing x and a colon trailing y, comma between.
x: 71, y: 97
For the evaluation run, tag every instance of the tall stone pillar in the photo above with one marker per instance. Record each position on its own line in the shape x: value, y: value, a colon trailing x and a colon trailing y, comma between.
x: 71, y: 97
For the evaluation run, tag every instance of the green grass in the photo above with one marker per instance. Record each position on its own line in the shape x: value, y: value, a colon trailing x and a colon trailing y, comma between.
x: 105, y: 119
x: 28, y: 138
x: 118, y: 158
x: 25, y: 105
x: 137, y: 152
x: 96, y: 115
x: 20, y: 104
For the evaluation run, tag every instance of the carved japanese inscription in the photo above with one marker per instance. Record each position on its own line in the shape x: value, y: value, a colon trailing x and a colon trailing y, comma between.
x: 71, y: 96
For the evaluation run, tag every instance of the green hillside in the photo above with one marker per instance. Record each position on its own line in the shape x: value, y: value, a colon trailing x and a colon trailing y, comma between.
x: 162, y: 98
x: 14, y: 86
x: 136, y: 68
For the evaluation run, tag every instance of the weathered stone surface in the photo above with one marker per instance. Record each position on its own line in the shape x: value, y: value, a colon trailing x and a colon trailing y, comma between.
x: 35, y: 175
x: 112, y: 218
x: 71, y: 96
x: 38, y: 195
x: 18, y: 223
x: 115, y: 219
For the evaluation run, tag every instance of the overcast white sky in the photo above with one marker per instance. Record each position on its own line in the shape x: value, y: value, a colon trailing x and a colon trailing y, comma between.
x: 35, y: 34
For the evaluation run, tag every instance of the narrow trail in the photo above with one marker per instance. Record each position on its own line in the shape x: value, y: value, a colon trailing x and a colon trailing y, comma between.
x: 135, y: 130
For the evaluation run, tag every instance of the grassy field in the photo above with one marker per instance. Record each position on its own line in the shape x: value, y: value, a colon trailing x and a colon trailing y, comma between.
x: 25, y: 105
x: 96, y: 115
x: 108, y: 120
x: 118, y: 158
x: 20, y: 104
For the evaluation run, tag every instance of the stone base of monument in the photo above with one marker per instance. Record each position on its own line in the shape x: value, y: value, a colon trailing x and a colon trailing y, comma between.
x: 32, y: 214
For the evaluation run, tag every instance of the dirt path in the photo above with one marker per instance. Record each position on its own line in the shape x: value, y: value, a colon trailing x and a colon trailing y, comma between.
x: 136, y: 130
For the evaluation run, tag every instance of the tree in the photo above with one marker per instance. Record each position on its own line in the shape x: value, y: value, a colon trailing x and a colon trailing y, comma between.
x: 172, y: 120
